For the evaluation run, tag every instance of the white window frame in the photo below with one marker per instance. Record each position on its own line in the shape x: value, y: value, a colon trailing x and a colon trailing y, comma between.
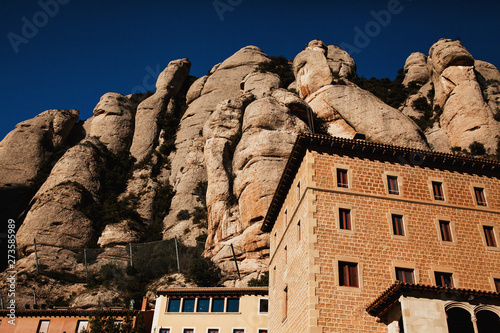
x: 260, y: 312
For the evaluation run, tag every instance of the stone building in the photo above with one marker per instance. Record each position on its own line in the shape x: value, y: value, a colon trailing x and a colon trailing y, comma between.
x: 367, y: 237
x: 211, y: 310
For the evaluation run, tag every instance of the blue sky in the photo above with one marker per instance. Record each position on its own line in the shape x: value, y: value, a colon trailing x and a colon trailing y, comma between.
x: 78, y: 50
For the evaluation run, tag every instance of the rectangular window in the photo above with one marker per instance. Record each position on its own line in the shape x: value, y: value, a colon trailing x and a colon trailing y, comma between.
x: 479, y: 193
x: 299, y: 236
x: 444, y: 279
x: 203, y: 305
x: 188, y: 305
x: 238, y: 330
x: 213, y: 330
x: 285, y: 302
x: 397, y: 225
x: 262, y: 330
x: 348, y: 274
x: 342, y: 178
x: 345, y: 219
x: 263, y: 305
x: 43, y: 326
x: 497, y: 285
x: 444, y: 227
x: 82, y: 326
x: 174, y: 305
x: 298, y: 191
x: 437, y: 189
x: 164, y: 330
x: 188, y: 330
x: 404, y: 275
x: 392, y: 183
x: 489, y: 234
x: 233, y: 305
x: 218, y: 305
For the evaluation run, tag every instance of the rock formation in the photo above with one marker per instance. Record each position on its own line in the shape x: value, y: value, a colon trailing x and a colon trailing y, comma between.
x: 168, y: 85
x: 112, y: 122
x: 188, y: 162
x: 463, y: 93
x: 344, y: 107
x: 24, y: 149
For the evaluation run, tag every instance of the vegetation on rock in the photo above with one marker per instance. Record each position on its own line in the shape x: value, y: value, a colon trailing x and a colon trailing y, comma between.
x: 204, y: 272
x: 391, y: 92
x: 278, y: 65
x: 262, y: 281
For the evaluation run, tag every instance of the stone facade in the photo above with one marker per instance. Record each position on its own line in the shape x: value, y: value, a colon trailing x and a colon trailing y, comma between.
x: 309, y: 247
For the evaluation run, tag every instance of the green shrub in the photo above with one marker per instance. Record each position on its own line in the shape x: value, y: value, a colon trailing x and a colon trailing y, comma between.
x: 200, y: 215
x: 496, y: 116
x: 201, y: 192
x: 204, y: 272
x: 183, y: 215
x: 393, y: 93
x: 161, y: 207
x: 262, y: 281
x: 477, y: 148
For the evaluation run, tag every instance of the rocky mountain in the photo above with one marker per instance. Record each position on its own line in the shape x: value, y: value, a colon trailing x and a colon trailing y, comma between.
x: 198, y: 160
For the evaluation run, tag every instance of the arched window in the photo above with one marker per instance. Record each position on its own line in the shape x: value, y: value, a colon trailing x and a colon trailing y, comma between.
x: 487, y: 322
x: 459, y: 321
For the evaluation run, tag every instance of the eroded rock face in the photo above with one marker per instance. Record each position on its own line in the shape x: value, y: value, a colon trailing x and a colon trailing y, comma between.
x: 416, y: 70
x: 82, y: 164
x: 466, y: 118
x: 340, y: 62
x: 112, y: 122
x: 311, y: 69
x: 173, y: 76
x: 260, y: 83
x: 188, y: 163
x: 54, y: 221
x: 488, y: 77
x: 56, y: 218
x: 448, y: 52
x: 345, y: 109
x: 24, y: 149
x: 118, y: 234
x: 222, y: 132
x: 168, y: 85
x: 245, y: 140
x: 269, y: 132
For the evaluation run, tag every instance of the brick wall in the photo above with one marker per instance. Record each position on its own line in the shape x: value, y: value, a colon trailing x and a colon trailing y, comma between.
x: 311, y: 272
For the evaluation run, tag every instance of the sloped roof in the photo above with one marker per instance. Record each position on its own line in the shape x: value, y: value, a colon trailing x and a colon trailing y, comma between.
x: 69, y: 312
x: 215, y: 291
x: 392, y: 294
